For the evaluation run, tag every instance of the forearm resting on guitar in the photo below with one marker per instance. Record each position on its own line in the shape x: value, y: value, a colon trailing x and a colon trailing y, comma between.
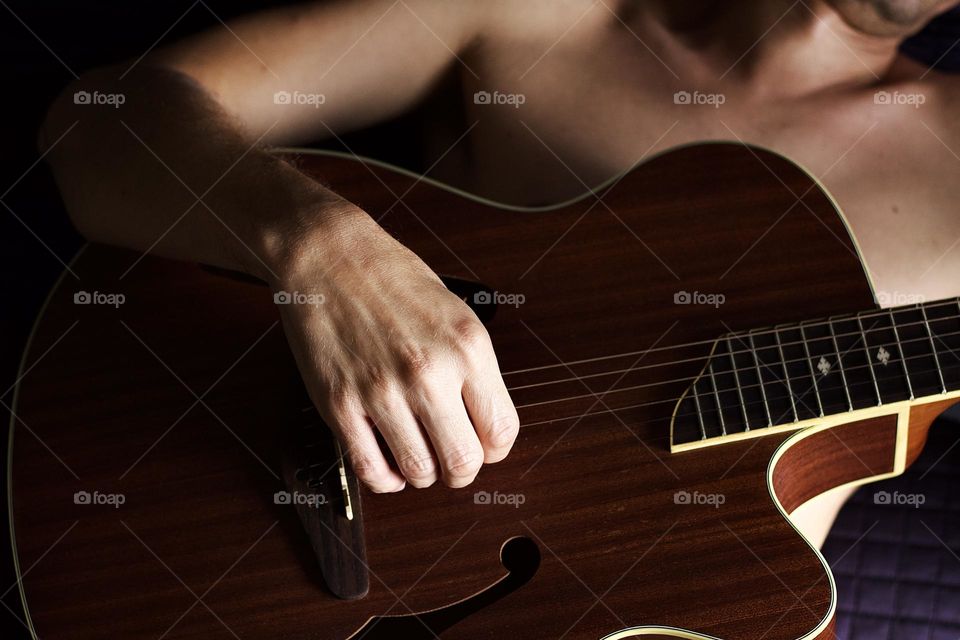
x: 153, y: 163
x: 167, y: 171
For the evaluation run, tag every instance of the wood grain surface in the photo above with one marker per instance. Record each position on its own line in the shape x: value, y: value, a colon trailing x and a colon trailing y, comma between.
x: 178, y: 400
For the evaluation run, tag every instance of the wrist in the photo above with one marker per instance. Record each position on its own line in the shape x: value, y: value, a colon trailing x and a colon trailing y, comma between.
x: 318, y: 230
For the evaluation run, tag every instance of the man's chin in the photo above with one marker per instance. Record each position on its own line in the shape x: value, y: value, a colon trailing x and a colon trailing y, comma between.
x: 889, y: 18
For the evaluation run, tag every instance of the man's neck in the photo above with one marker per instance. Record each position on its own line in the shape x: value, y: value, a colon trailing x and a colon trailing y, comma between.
x: 785, y: 49
x: 813, y: 49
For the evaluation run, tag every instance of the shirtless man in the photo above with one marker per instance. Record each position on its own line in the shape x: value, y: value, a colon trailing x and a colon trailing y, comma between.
x: 392, y: 350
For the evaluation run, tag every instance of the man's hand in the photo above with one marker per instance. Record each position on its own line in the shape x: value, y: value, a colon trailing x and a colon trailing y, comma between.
x: 384, y: 347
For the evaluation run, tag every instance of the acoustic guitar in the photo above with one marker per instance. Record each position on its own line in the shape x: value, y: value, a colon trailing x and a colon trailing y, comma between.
x: 694, y: 348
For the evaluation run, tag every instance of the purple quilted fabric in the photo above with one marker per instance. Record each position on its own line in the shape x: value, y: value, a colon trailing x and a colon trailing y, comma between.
x: 895, y: 550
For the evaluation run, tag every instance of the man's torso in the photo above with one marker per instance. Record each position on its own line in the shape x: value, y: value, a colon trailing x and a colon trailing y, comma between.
x: 593, y: 93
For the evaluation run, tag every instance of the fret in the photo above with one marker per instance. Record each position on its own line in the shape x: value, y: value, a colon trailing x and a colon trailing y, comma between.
x: 727, y: 389
x: 850, y: 335
x: 951, y: 340
x: 866, y: 352
x: 688, y: 425
x: 945, y: 327
x: 763, y: 392
x: 813, y: 376
x: 716, y: 395
x: 696, y: 401
x: 709, y: 401
x: 736, y: 377
x: 903, y: 360
x: 884, y: 353
x: 786, y: 376
x: 917, y: 348
x: 843, y: 375
x: 933, y: 347
x: 848, y: 363
x: 795, y: 361
x: 830, y: 386
x: 750, y: 383
x: 779, y: 397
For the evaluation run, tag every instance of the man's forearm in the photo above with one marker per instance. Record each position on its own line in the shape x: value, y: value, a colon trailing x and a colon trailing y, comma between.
x: 168, y: 171
x: 133, y: 176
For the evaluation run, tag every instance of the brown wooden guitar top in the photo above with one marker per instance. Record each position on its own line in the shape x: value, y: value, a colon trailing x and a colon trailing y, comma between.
x: 178, y: 399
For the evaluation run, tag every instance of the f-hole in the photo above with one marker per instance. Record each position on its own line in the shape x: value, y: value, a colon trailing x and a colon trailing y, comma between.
x: 519, y: 556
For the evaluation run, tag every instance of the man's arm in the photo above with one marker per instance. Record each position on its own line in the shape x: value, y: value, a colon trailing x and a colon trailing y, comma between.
x: 391, y: 349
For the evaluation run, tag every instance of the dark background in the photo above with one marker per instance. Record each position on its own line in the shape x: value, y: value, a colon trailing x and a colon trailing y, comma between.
x: 42, y: 44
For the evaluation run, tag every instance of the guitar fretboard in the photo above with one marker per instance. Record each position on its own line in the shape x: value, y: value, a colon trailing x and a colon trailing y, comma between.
x: 790, y: 374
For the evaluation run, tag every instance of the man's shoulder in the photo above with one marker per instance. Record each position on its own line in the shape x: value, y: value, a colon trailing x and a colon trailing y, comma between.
x: 542, y: 18
x: 937, y: 100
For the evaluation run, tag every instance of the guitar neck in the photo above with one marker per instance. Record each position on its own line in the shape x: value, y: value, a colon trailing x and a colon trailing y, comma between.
x: 792, y: 376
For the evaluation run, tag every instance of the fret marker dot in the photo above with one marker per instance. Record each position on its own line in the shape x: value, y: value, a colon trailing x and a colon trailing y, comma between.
x: 883, y: 356
x: 823, y: 366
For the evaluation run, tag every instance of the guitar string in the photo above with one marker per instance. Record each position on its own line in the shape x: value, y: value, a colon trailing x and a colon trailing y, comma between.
x: 673, y: 400
x: 750, y: 368
x: 690, y: 414
x: 859, y: 334
x: 766, y: 383
x: 785, y: 327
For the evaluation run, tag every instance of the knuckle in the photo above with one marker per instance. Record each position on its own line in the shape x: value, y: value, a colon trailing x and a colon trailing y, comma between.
x: 417, y: 467
x: 378, y: 380
x: 463, y: 461
x: 372, y: 472
x: 470, y: 334
x: 504, y: 430
x: 417, y: 362
x: 365, y: 467
x: 342, y: 400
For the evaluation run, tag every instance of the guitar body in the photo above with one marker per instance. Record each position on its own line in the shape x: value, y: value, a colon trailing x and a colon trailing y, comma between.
x: 178, y: 400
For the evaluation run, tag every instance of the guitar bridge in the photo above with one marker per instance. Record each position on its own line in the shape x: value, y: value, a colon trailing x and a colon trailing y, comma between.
x: 326, y: 495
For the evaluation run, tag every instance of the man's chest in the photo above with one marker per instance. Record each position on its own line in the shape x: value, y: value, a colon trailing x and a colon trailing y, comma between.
x: 544, y: 131
x: 548, y: 128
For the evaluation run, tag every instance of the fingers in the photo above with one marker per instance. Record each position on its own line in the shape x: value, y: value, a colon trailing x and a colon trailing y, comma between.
x: 443, y: 413
x: 455, y: 441
x: 362, y: 449
x: 465, y: 407
x: 485, y: 395
x: 492, y: 412
x: 411, y: 451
